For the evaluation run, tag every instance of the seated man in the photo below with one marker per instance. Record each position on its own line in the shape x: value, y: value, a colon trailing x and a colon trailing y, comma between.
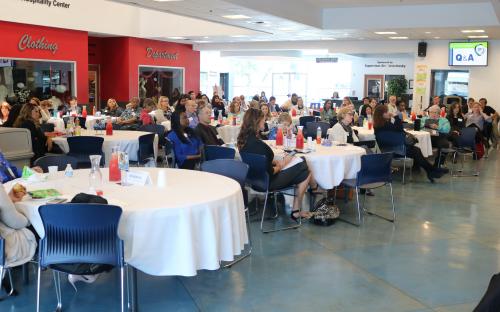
x: 130, y: 116
x: 10, y: 172
x: 442, y: 126
x: 207, y: 133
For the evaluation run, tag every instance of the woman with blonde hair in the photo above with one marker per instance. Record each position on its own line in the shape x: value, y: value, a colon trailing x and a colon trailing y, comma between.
x: 163, y: 110
x: 4, y: 112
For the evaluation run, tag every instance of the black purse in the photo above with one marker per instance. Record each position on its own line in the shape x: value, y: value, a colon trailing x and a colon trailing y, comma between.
x: 410, y: 139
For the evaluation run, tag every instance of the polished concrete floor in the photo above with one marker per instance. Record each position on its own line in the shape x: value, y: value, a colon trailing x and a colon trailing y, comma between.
x: 439, y: 256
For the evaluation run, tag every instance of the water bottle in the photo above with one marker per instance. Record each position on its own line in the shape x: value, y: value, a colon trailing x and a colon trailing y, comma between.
x: 68, y: 172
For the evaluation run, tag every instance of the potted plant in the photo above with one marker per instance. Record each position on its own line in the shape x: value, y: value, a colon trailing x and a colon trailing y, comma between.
x: 397, y: 87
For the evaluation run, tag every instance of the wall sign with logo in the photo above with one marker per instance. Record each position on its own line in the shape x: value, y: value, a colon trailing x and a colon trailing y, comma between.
x: 385, y: 64
x: 157, y: 54
x: 50, y: 3
x: 29, y: 43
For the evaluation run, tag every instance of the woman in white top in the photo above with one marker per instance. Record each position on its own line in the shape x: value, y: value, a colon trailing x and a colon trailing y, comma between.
x: 392, y: 106
x: 163, y: 110
x: 342, y: 131
x: 20, y: 242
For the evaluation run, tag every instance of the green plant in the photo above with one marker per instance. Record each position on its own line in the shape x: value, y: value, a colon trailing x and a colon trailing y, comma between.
x: 397, y: 86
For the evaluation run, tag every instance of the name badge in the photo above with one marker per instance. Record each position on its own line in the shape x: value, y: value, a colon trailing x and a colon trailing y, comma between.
x: 140, y: 178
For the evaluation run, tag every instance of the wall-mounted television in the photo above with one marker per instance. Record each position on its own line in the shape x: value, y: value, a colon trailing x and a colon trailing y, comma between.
x: 468, y: 53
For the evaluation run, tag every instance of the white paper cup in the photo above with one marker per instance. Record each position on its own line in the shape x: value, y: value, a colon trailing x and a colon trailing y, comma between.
x: 161, y: 180
x: 53, y: 170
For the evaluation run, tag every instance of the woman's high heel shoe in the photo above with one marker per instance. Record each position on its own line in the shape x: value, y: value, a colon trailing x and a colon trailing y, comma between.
x: 89, y: 279
x: 294, y: 218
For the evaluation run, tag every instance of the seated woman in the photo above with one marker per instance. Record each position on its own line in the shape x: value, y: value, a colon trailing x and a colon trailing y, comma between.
x: 456, y: 120
x: 4, y: 112
x: 206, y: 132
x: 235, y: 110
x: 218, y: 106
x: 285, y: 122
x: 20, y: 242
x: 147, y: 107
x: 13, y: 114
x: 442, y: 125
x: 267, y: 116
x: 382, y: 121
x: 298, y: 175
x: 402, y: 113
x: 328, y: 114
x: 301, y: 108
x: 187, y: 147
x: 112, y: 109
x: 163, y: 110
x: 71, y: 108
x: 45, y: 107
x: 342, y: 131
x: 29, y: 118
x: 476, y: 117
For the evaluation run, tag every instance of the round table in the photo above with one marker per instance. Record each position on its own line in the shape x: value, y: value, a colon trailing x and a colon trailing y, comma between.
x: 424, y: 141
x: 229, y: 133
x: 126, y: 140
x: 193, y: 223
x: 330, y: 164
x: 90, y: 120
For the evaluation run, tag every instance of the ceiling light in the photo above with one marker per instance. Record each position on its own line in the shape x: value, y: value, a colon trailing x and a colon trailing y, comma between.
x: 239, y: 36
x: 386, y: 33
x: 437, y: 37
x: 398, y: 38
x: 176, y: 38
x: 427, y: 32
x: 477, y: 37
x: 206, y: 37
x: 285, y: 29
x: 327, y: 38
x: 471, y: 31
x: 202, y: 41
x: 236, y: 16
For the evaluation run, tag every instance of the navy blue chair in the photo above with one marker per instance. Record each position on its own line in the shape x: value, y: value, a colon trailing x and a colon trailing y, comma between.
x: 394, y: 142
x: 56, y: 160
x: 375, y: 172
x: 79, y: 233
x: 146, y: 152
x: 158, y: 129
x: 5, y: 269
x: 312, y: 127
x: 168, y: 148
x: 237, y: 171
x: 303, y: 122
x: 259, y: 180
x: 213, y: 152
x: 466, y: 145
x: 81, y: 147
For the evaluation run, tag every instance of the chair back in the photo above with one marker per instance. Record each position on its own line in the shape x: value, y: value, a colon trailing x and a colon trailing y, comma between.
x: 219, y: 152
x: 230, y: 168
x: 47, y: 127
x: 467, y: 138
x: 257, y: 176
x: 85, y: 145
x: 305, y: 119
x: 56, y: 160
x: 375, y: 168
x: 391, y: 141
x: 146, y: 150
x: 312, y: 127
x: 80, y: 233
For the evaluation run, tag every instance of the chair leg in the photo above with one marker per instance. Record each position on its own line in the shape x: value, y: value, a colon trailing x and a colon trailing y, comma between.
x: 250, y: 246
x: 57, y: 284
x: 404, y: 170
x: 122, y: 288
x: 393, y: 209
x: 263, y: 213
x: 358, y: 208
x: 39, y: 273
x: 278, y: 229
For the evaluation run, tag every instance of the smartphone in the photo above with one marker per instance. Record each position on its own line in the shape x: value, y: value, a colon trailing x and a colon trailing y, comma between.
x: 57, y: 201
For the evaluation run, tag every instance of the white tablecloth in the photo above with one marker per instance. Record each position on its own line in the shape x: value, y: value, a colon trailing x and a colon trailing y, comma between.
x: 127, y: 141
x: 330, y: 164
x: 191, y: 224
x: 58, y: 123
x: 424, y: 141
x: 229, y: 134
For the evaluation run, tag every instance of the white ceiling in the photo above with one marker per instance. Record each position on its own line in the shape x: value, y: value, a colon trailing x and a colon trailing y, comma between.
x: 314, y: 20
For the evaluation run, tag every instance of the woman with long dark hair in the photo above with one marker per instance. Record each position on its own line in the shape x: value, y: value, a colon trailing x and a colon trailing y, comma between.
x: 327, y: 114
x: 382, y: 122
x: 280, y: 173
x: 187, y: 146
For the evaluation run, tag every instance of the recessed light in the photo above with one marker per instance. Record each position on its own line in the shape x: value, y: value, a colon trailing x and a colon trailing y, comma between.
x: 236, y: 16
x: 437, y: 37
x: 176, y: 38
x: 398, y: 38
x: 471, y: 31
x: 477, y: 37
x: 428, y: 32
x: 206, y: 37
x: 327, y: 38
x: 239, y: 36
x: 386, y: 33
x: 285, y: 29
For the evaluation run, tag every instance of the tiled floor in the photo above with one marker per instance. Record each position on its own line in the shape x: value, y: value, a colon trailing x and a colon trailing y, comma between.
x: 439, y: 256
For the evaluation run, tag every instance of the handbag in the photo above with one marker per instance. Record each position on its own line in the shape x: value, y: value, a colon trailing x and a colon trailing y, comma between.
x: 324, y: 212
x: 410, y: 139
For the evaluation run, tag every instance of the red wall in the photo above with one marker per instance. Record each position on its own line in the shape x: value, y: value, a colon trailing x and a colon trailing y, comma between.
x: 72, y: 46
x: 119, y: 59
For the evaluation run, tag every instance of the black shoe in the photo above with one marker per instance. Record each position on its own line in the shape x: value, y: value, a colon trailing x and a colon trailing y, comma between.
x: 443, y: 170
x: 294, y: 218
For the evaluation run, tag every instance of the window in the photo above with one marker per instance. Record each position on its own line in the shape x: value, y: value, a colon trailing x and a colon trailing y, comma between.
x: 158, y: 81
x: 24, y: 79
x: 450, y: 82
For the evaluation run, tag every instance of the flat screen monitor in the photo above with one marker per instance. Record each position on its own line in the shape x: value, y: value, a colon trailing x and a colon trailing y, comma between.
x: 468, y: 53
